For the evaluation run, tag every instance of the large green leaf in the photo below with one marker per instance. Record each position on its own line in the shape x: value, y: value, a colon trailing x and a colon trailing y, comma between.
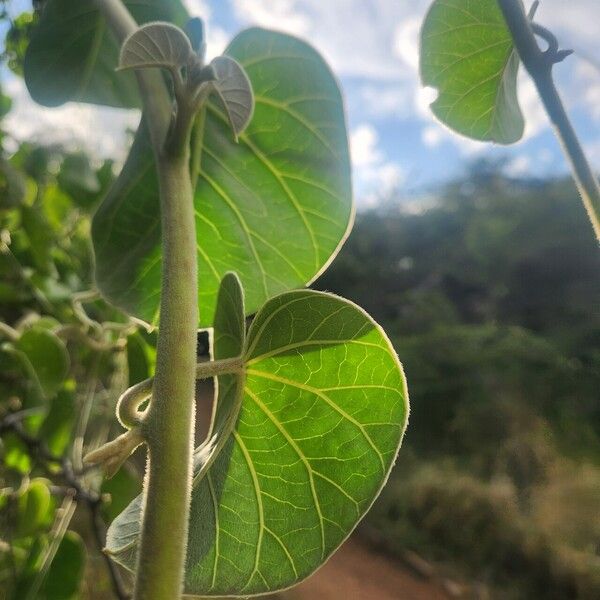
x: 273, y: 208
x: 300, y: 458
x: 467, y: 54
x: 72, y: 54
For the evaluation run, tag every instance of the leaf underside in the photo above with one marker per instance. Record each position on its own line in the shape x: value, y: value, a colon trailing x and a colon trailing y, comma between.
x: 235, y: 91
x: 301, y: 446
x: 72, y: 54
x: 467, y: 55
x: 273, y: 208
x: 156, y: 45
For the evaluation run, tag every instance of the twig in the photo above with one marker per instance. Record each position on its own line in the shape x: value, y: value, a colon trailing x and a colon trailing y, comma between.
x: 539, y: 65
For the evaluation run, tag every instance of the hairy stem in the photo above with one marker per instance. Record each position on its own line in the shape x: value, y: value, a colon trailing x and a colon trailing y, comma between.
x: 169, y: 425
x: 155, y: 96
x: 539, y: 65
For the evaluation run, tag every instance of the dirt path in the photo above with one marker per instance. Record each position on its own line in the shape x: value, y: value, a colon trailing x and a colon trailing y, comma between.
x: 356, y: 572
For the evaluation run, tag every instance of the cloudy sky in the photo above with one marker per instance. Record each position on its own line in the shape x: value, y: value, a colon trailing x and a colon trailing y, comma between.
x: 372, y: 45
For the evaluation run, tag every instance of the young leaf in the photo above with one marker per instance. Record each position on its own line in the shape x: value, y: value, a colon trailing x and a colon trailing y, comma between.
x: 72, y: 54
x: 274, y: 208
x: 156, y: 45
x: 308, y: 448
x: 467, y: 54
x: 235, y: 91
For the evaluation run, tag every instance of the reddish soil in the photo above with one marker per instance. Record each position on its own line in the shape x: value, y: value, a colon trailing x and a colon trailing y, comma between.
x: 357, y: 572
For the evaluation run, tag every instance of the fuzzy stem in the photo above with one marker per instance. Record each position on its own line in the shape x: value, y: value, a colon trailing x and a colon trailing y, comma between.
x: 169, y: 425
x: 539, y: 65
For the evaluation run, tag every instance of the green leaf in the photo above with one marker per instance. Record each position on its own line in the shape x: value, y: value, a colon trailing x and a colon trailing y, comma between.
x: 58, y: 426
x: 274, y: 208
x: 66, y: 571
x: 235, y: 91
x: 72, y: 54
x: 34, y: 508
x: 298, y: 462
x: 48, y: 357
x: 467, y: 54
x: 156, y: 45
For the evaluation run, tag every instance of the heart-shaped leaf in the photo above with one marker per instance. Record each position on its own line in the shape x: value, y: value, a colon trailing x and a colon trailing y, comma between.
x: 467, y: 54
x: 235, y: 91
x: 274, y: 208
x: 156, y: 45
x: 302, y: 454
x: 72, y: 54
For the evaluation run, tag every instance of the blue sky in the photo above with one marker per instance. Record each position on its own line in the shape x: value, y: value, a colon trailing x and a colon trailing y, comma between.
x: 372, y: 46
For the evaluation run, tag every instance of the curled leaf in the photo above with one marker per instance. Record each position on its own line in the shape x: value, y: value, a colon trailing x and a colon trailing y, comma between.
x: 235, y: 92
x: 156, y: 45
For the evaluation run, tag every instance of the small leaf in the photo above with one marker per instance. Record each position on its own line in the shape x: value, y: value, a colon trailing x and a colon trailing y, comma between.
x: 47, y: 355
x: 34, y: 507
x: 156, y: 45
x: 235, y: 91
x: 297, y: 461
x: 467, y: 54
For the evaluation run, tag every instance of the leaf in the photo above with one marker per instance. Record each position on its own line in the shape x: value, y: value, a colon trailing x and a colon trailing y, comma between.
x: 322, y: 415
x: 72, y: 54
x: 57, y: 429
x: 66, y: 570
x: 34, y: 507
x: 156, y: 45
x: 235, y: 91
x: 48, y: 357
x: 467, y: 54
x: 274, y: 208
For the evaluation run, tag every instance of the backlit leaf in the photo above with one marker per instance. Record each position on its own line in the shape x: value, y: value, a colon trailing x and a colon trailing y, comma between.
x: 73, y: 55
x: 321, y: 418
x: 274, y: 208
x: 467, y: 55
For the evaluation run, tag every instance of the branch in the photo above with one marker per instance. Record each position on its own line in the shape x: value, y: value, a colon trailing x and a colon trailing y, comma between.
x: 94, y: 501
x: 539, y: 65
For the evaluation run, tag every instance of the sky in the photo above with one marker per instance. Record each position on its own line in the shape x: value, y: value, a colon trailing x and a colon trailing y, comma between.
x: 397, y: 146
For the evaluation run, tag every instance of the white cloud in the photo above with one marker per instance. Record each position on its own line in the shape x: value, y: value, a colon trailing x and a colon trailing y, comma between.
x: 363, y: 145
x: 375, y: 175
x: 284, y: 15
x: 98, y: 130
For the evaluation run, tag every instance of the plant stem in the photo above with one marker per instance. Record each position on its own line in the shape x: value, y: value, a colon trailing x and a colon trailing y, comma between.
x: 539, y: 65
x: 169, y: 425
x: 157, y: 104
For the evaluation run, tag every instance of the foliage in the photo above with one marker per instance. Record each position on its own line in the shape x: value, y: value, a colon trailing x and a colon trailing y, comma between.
x: 467, y: 55
x: 315, y: 378
x: 491, y: 302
